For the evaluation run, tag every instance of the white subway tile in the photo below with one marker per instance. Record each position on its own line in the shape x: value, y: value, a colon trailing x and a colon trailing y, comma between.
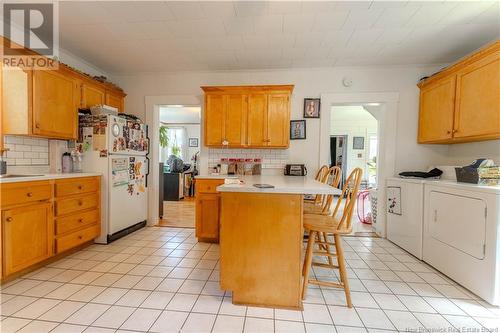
x: 23, y: 161
x: 40, y: 161
x: 13, y: 139
x: 23, y: 148
x: 30, y: 154
x: 40, y: 148
x: 15, y: 154
x: 10, y: 161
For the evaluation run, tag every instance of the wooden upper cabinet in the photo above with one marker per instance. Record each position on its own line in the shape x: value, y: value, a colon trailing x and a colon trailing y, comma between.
x: 55, y: 104
x: 247, y: 116
x: 257, y: 120
x: 28, y: 236
x: 16, y: 100
x: 92, y: 95
x: 235, y: 119
x: 115, y: 99
x: 477, y: 111
x: 214, y: 119
x: 462, y: 102
x: 437, y: 105
x: 278, y: 120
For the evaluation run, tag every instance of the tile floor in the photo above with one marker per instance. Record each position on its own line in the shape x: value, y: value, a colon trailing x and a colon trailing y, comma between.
x: 162, y: 280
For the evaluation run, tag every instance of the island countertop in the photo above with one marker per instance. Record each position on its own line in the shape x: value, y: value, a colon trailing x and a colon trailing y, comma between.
x: 282, y: 185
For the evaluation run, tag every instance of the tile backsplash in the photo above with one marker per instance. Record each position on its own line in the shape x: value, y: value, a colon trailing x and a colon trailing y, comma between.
x: 271, y: 158
x: 26, y: 150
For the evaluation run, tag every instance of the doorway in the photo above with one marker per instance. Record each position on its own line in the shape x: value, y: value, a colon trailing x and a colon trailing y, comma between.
x: 354, y: 144
x: 179, y: 150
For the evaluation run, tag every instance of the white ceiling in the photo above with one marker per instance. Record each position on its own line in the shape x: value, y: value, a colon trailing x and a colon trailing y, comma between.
x: 157, y: 36
x: 180, y: 114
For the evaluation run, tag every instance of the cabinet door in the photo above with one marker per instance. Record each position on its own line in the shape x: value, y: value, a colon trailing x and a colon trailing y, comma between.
x: 214, y: 119
x: 115, y: 100
x: 92, y: 95
x: 437, y: 105
x: 477, y: 110
x: 55, y: 104
x: 278, y: 120
x: 257, y: 120
x: 28, y: 236
x: 235, y: 121
x: 207, y: 216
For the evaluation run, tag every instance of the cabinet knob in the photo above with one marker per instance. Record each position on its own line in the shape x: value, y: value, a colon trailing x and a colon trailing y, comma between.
x: 37, y: 125
x: 455, y: 131
x: 448, y: 132
x: 80, y: 202
x: 80, y: 220
x: 29, y: 194
x: 80, y: 187
x: 80, y: 237
x: 8, y: 219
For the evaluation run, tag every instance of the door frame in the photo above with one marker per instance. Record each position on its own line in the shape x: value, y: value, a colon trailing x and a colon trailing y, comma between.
x: 387, y: 130
x: 152, y: 109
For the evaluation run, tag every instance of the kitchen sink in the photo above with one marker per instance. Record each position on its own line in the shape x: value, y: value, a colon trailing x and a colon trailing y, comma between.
x: 17, y: 176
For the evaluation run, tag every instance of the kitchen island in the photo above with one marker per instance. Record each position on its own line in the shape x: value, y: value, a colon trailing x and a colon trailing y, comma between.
x: 261, y: 236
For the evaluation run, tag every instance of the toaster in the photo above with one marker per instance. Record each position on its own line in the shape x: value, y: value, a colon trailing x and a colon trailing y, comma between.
x: 295, y: 170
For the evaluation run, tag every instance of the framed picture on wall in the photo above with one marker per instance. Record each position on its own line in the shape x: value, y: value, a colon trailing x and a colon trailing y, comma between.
x: 358, y: 142
x: 311, y: 107
x: 297, y: 129
x: 193, y: 142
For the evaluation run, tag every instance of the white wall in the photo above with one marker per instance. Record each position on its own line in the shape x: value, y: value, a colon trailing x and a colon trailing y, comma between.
x: 308, y: 83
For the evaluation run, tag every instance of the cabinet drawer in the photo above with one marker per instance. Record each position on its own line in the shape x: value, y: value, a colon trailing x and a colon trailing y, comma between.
x: 76, y: 221
x: 25, y: 192
x: 76, y: 238
x: 65, y: 206
x: 208, y: 186
x: 76, y: 186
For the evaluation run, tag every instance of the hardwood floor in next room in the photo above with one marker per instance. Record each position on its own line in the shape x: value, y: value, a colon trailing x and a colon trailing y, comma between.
x: 179, y: 214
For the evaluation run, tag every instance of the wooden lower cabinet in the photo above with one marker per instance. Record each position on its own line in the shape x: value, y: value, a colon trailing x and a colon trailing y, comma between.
x: 43, y: 218
x: 28, y: 236
x: 207, y: 209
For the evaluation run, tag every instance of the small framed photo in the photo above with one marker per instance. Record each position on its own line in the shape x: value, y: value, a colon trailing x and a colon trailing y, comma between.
x: 193, y: 142
x: 311, y: 107
x: 358, y: 142
x: 297, y: 129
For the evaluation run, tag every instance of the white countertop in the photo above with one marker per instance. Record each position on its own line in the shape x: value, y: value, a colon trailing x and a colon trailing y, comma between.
x: 215, y: 176
x: 48, y: 176
x: 282, y: 185
x: 451, y: 184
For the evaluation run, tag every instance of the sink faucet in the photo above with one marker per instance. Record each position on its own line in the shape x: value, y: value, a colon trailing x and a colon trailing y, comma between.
x: 3, y: 163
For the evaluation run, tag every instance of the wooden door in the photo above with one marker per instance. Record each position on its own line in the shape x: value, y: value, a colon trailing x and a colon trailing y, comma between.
x: 207, y: 216
x: 235, y: 123
x: 28, y: 236
x: 278, y: 120
x: 257, y: 120
x: 437, y: 105
x: 92, y: 95
x: 55, y: 104
x: 214, y: 119
x: 477, y: 111
x: 115, y: 100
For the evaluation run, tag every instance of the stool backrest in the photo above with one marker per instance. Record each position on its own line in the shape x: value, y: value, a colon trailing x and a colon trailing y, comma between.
x: 348, y: 196
x: 321, y: 173
x: 333, y: 178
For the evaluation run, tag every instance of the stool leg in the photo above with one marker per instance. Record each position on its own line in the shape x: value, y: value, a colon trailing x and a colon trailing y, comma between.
x: 327, y: 248
x: 307, y: 262
x: 342, y: 269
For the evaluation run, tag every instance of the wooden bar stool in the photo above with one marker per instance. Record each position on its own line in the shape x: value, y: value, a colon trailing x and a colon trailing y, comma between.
x: 323, y: 202
x: 320, y: 176
x: 336, y: 224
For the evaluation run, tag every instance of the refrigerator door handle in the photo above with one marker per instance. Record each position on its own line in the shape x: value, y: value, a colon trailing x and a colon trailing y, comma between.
x: 147, y: 173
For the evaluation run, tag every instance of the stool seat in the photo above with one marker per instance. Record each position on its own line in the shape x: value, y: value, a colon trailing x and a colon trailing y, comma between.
x: 312, y: 208
x: 324, y: 223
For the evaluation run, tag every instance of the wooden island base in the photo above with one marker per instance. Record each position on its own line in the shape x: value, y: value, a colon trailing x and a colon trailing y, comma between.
x: 261, y: 248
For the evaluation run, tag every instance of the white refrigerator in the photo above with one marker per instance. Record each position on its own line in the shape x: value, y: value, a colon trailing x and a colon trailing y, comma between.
x: 116, y: 148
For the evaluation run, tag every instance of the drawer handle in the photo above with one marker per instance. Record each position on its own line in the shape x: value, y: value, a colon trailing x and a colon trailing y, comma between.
x: 80, y: 220
x: 9, y: 219
x: 80, y: 236
x: 80, y: 202
x: 29, y: 194
x: 80, y: 187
